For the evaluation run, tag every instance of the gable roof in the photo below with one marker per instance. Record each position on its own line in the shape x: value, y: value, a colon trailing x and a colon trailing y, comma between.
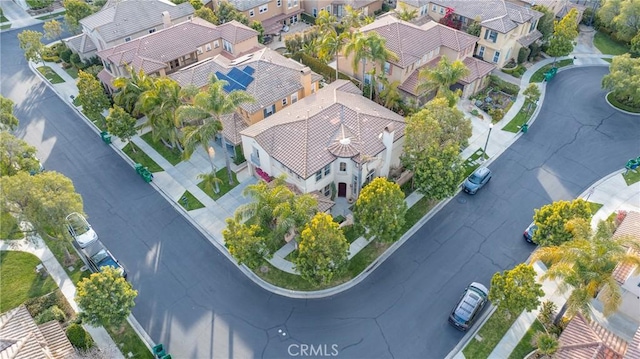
x: 498, y: 15
x: 630, y: 226
x: 152, y: 52
x: 81, y: 43
x: 583, y: 340
x: 411, y: 42
x: 244, y: 5
x: 300, y: 135
x: 21, y: 338
x: 123, y: 18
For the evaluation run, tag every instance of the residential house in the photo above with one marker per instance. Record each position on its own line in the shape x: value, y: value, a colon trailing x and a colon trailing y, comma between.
x: 274, y: 81
x: 505, y: 27
x: 334, y: 138
x: 273, y: 14
x: 337, y: 7
x: 588, y: 339
x: 624, y: 274
x: 122, y: 21
x: 417, y: 47
x: 177, y: 46
x: 22, y: 338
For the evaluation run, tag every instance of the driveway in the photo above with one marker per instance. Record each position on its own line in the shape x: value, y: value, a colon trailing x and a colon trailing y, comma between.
x: 196, y: 302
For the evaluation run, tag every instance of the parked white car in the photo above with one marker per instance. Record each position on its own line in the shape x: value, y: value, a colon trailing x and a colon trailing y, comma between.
x: 80, y: 230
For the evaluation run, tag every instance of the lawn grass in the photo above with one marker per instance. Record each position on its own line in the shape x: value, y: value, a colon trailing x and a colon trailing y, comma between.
x: 51, y: 75
x: 3, y: 18
x: 525, y: 347
x: 620, y: 105
x: 520, y: 118
x: 20, y: 280
x: 5, y: 26
x: 538, y: 76
x: 416, y: 212
x: 189, y: 202
x: 174, y: 156
x: 608, y: 46
x: 470, y: 164
x: 491, y: 333
x: 608, y: 60
x: 51, y: 16
x: 594, y: 207
x: 631, y: 177
x: 140, y: 157
x: 224, y: 185
x: 128, y: 341
x: 72, y: 71
x: 9, y: 228
x: 57, y: 247
x: 353, y: 232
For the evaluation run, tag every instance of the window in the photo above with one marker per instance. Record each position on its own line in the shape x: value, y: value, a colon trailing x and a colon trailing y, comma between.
x: 327, y: 190
x: 107, y: 65
x: 491, y: 35
x: 152, y: 31
x: 343, y: 167
x: 327, y: 169
x: 127, y: 39
x: 441, y: 10
x: 216, y: 44
x: 313, y: 87
x: 207, y: 47
x: 329, y: 9
x: 434, y: 7
x: 354, y: 185
x: 318, y: 175
x: 481, y: 51
x: 279, y: 3
x: 288, y: 4
x: 496, y: 56
x: 268, y: 111
x: 533, y: 26
x: 227, y: 46
x: 199, y: 50
x: 252, y: 13
x: 370, y: 176
x: 294, y: 98
x: 264, y: 8
x: 295, y: 3
x: 314, y: 12
x: 284, y: 102
x: 423, y: 10
x: 387, y: 68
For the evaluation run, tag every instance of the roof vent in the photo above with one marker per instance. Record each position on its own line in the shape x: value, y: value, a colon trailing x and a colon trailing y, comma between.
x: 345, y: 141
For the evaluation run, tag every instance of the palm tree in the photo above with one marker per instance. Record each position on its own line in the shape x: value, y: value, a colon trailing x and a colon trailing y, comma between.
x: 405, y: 14
x: 210, y: 181
x: 367, y: 46
x: 331, y: 45
x: 205, y: 114
x: 352, y: 18
x: 130, y: 89
x: 326, y: 22
x: 546, y: 343
x: 266, y: 196
x: 293, y: 213
x: 586, y: 265
x: 159, y: 103
x: 390, y: 96
x: 442, y: 77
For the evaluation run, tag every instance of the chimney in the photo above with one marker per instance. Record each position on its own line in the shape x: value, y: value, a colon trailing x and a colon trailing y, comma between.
x: 166, y: 19
x: 305, y: 78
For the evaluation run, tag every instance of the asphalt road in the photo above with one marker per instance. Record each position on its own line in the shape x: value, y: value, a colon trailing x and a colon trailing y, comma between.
x: 196, y: 302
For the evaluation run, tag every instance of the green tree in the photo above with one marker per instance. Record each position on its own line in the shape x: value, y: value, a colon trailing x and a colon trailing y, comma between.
x: 105, y: 298
x: 623, y: 80
x: 121, y: 124
x: 197, y: 4
x: 607, y: 12
x: 552, y: 218
x: 531, y: 95
x: 293, y: 213
x: 369, y: 46
x: 210, y: 181
x: 160, y: 103
x: 207, y: 14
x: 204, y: 117
x: 352, y: 18
x: 91, y: 97
x: 8, y: 121
x: 225, y: 11
x: 326, y: 23
x: 441, y: 78
x: 565, y: 32
x: 585, y: 266
x: 130, y: 89
x: 627, y: 22
x: 405, y: 14
x: 516, y: 290
x: 390, y: 95
x: 545, y: 23
x: 31, y: 44
x: 634, y: 49
x: 75, y: 10
x: 323, y: 250
x: 265, y: 198
x: 16, y: 155
x: 244, y: 243
x: 257, y: 25
x: 381, y: 208
x: 52, y: 29
x: 547, y: 344
x: 330, y: 46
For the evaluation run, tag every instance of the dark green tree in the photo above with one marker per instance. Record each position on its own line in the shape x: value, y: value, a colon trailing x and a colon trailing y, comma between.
x: 381, y: 208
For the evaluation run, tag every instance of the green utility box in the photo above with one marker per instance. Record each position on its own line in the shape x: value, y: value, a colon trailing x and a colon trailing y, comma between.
x: 106, y: 137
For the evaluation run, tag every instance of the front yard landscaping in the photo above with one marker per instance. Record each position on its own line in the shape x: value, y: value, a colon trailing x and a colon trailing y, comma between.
x: 631, y: 177
x: 538, y: 76
x: 525, y: 346
x: 491, y: 333
x: 223, y: 184
x: 189, y: 202
x: 608, y: 46
x: 140, y: 157
x: 51, y: 75
x: 72, y: 71
x: 20, y: 281
x: 471, y: 163
x: 9, y: 228
x: 520, y: 118
x: 173, y: 155
x: 612, y: 100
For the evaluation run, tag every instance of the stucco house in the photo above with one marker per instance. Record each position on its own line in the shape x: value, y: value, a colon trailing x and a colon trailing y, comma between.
x: 274, y: 81
x: 417, y: 47
x: 273, y: 14
x: 177, y: 46
x: 122, y: 21
x: 337, y: 7
x: 624, y: 274
x: 334, y: 138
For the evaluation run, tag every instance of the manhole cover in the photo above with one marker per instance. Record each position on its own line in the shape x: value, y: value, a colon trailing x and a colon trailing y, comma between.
x: 461, y: 200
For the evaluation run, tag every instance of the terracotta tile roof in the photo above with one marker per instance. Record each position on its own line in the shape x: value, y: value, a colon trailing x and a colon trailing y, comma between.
x: 324, y: 203
x: 299, y: 135
x: 630, y: 226
x: 633, y: 350
x: 411, y: 83
x: 411, y: 42
x: 82, y: 43
x: 583, y: 340
x: 530, y: 38
x: 124, y: 18
x: 232, y: 125
x: 498, y: 15
x: 244, y: 5
x: 106, y: 78
x: 477, y: 69
x: 21, y: 338
x: 235, y: 32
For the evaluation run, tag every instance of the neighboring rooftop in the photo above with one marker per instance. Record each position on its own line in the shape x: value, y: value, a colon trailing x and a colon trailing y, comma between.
x: 82, y: 43
x: 584, y: 340
x: 300, y: 135
x: 244, y: 5
x: 499, y: 15
x: 122, y: 18
x: 630, y: 227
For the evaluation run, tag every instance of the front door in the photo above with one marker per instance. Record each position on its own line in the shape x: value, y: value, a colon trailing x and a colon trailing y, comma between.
x: 342, y: 189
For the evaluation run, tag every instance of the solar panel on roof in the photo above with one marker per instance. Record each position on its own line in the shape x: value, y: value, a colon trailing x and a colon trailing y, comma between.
x: 240, y: 77
x: 249, y: 70
x: 230, y: 86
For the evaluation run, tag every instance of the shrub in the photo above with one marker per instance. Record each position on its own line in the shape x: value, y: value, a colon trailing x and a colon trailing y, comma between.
x: 239, y: 155
x: 79, y: 337
x: 523, y: 54
x: 39, y: 4
x: 39, y: 305
x: 93, y: 70
x: 506, y: 87
x: 308, y: 18
x: 76, y: 60
x: 496, y: 114
x: 535, y: 51
x: 317, y: 66
x: 66, y: 55
x: 52, y: 313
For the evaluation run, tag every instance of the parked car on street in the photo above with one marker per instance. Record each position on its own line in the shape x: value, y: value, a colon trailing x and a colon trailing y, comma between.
x: 469, y: 306
x: 529, y: 232
x: 99, y: 257
x: 480, y: 177
x: 80, y: 230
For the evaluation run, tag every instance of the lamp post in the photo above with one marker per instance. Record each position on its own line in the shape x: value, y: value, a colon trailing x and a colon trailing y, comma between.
x: 487, y: 142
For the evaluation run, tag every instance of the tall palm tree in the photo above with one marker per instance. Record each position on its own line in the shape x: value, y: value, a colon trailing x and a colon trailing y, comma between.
x: 367, y: 46
x: 293, y: 213
x: 442, y: 77
x: 405, y: 14
x: 390, y: 96
x: 130, y: 89
x: 352, y: 18
x: 205, y: 114
x: 210, y: 181
x: 546, y: 343
x: 266, y: 196
x: 586, y: 265
x: 326, y: 22
x: 159, y: 103
x: 331, y: 45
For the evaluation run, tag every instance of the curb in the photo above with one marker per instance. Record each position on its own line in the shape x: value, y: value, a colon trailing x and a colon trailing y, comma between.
x: 606, y: 98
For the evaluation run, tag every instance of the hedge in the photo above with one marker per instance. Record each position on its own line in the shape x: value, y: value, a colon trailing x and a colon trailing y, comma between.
x: 308, y: 18
x: 504, y: 86
x: 317, y: 66
x: 79, y: 337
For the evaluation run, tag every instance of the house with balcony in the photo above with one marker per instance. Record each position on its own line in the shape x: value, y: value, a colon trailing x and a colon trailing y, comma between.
x: 333, y: 138
x: 168, y: 50
x: 274, y: 81
x: 337, y: 7
x: 273, y: 14
x: 506, y: 27
x: 122, y: 21
x: 417, y: 47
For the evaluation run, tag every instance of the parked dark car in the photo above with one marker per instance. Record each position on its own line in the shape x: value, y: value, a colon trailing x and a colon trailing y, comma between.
x: 529, y: 232
x: 477, y: 180
x: 469, y: 306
